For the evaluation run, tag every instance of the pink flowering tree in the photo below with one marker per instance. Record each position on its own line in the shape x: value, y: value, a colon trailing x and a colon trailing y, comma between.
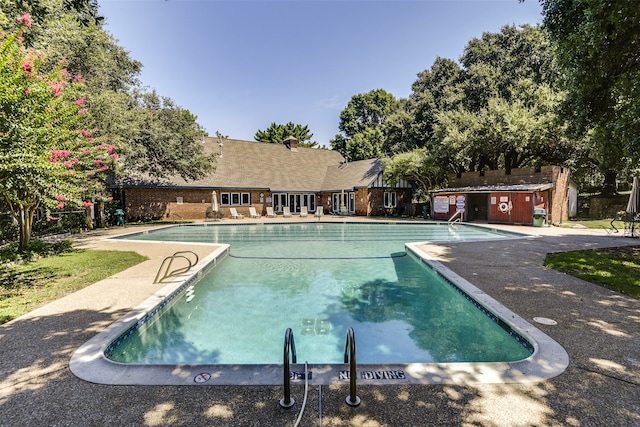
x: 48, y: 157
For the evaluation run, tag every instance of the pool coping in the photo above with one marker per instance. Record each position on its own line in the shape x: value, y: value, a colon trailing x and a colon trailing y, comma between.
x: 89, y: 362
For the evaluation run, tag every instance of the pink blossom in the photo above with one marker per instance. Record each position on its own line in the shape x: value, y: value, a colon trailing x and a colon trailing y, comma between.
x: 82, y: 111
x: 104, y: 168
x: 97, y: 162
x: 109, y: 199
x: 78, y: 78
x: 99, y: 147
x: 27, y: 91
x: 85, y: 132
x: 111, y: 148
x: 68, y: 164
x: 80, y: 101
x: 114, y: 156
x: 27, y: 67
x: 61, y: 198
x: 87, y: 204
x: 56, y: 87
x: 91, y: 139
x: 60, y: 206
x: 56, y: 156
x: 25, y: 19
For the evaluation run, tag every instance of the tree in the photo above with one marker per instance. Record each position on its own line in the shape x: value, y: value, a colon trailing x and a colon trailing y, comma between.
x: 362, y: 123
x: 598, y: 46
x: 277, y: 133
x: 415, y: 166
x: 436, y: 89
x: 497, y: 110
x: 154, y: 135
x: 164, y: 138
x: 44, y: 141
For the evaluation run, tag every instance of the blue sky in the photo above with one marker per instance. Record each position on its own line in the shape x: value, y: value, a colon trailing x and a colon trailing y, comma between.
x: 240, y: 65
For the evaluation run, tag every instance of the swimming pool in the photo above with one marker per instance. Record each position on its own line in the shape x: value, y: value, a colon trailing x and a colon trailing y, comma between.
x: 319, y: 279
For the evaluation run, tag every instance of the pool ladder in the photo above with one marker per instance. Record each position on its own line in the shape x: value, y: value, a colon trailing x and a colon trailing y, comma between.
x: 349, y: 357
x: 289, y: 347
x: 168, y: 273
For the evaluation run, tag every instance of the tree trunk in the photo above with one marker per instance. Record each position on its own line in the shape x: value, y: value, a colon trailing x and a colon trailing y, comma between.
x: 25, y: 223
x: 99, y: 213
x: 87, y: 218
x: 610, y: 187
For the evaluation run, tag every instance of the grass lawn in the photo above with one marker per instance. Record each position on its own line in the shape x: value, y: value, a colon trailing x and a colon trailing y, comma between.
x: 28, y: 285
x: 613, y: 268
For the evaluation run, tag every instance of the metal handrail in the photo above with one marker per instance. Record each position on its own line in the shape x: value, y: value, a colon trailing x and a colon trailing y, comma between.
x: 170, y: 273
x: 454, y: 218
x: 289, y: 346
x: 350, y: 358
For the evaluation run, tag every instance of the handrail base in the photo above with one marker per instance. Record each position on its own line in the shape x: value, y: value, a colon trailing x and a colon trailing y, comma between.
x: 285, y: 405
x: 352, y: 403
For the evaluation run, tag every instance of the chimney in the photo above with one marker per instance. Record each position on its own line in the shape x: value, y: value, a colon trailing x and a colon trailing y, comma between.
x: 291, y: 143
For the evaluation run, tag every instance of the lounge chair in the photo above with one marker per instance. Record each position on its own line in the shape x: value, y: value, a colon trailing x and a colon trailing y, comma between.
x: 270, y: 212
x: 319, y: 212
x: 286, y: 212
x: 253, y: 213
x: 303, y: 211
x: 235, y: 214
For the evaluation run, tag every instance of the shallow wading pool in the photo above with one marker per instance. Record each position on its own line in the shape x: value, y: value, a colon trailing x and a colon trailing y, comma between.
x: 414, y: 321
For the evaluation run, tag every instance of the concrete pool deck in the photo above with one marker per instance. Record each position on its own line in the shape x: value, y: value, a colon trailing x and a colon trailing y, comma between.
x: 600, y: 330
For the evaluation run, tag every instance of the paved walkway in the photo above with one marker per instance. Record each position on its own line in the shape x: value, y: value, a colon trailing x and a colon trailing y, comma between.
x: 599, y: 329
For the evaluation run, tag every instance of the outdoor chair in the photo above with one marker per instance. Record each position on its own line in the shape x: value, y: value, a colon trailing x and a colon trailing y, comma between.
x: 303, y: 211
x: 286, y: 212
x: 235, y: 214
x: 253, y: 213
x: 319, y: 212
x: 270, y: 212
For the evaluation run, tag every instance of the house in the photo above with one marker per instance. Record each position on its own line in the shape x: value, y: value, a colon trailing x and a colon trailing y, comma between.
x: 260, y: 174
x: 510, y: 198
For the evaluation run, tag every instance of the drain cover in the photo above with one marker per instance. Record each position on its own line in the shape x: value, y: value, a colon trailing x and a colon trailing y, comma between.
x: 545, y: 321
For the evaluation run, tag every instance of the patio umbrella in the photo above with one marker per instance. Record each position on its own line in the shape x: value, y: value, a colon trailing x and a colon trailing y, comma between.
x: 633, y: 207
x: 214, y: 201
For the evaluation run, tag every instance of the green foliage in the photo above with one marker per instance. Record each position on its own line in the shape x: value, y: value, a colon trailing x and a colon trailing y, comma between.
x: 362, y: 123
x: 165, y: 139
x: 277, y: 133
x: 36, y: 249
x: 497, y: 110
x: 417, y: 167
x: 598, y: 46
x: 46, y: 154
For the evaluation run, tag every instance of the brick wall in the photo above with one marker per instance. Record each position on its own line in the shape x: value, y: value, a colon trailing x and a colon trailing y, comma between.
x: 499, y: 177
x: 162, y: 203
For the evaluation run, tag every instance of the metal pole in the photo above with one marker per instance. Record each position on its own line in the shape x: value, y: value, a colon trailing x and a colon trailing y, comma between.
x: 350, y: 357
x: 287, y: 401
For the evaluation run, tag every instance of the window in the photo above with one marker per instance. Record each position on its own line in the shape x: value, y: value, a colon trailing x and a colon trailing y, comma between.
x: 236, y: 199
x: 390, y: 200
x: 179, y: 200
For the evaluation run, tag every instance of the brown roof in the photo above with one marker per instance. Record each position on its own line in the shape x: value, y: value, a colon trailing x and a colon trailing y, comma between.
x: 258, y: 165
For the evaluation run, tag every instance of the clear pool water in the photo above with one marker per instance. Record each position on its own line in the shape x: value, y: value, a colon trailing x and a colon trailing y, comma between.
x: 318, y: 279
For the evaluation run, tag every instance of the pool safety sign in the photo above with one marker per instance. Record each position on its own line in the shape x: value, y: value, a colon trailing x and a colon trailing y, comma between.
x: 375, y: 375
x: 202, y: 377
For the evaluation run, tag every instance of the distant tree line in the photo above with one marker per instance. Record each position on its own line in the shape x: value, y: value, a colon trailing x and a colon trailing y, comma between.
x: 562, y: 93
